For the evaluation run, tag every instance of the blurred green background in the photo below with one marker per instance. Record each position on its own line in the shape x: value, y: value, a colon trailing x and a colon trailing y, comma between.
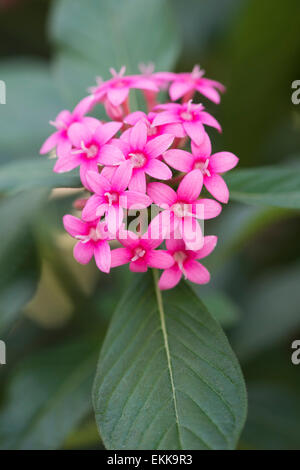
x: 54, y: 312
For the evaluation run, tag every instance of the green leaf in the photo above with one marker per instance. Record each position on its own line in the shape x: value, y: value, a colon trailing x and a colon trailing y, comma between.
x: 105, y: 34
x: 47, y: 396
x: 39, y: 173
x: 271, y: 306
x: 277, y: 186
x: 31, y: 101
x: 167, y: 377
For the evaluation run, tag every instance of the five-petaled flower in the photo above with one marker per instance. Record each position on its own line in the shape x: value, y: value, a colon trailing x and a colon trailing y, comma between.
x: 140, y: 252
x: 185, y: 84
x: 63, y: 121
x: 142, y: 155
x: 190, y: 116
x: 92, y: 239
x: 90, y: 148
x: 183, y: 208
x: 185, y: 263
x: 111, y: 197
x: 211, y: 166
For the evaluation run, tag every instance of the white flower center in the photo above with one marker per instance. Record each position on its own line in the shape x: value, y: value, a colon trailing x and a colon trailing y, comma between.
x: 203, y: 166
x: 186, y: 116
x: 90, y: 152
x: 111, y: 197
x: 94, y: 235
x: 152, y: 130
x: 181, y: 209
x: 137, y: 159
x: 179, y: 258
x: 138, y: 253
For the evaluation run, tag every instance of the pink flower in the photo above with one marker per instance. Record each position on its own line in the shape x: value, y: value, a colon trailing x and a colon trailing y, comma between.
x: 185, y: 84
x: 116, y: 90
x: 182, y: 209
x: 63, y: 121
x: 140, y: 252
x: 110, y: 197
x: 210, y: 166
x: 93, y: 241
x: 152, y: 131
x: 191, y: 117
x: 184, y: 263
x: 142, y: 155
x: 90, y: 148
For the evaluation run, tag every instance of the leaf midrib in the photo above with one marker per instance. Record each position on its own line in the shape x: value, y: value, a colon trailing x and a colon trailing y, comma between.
x: 167, y: 348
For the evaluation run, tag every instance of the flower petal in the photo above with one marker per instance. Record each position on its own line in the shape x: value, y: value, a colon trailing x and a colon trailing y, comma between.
x: 138, y: 181
x: 83, y: 252
x: 84, y: 106
x: 179, y: 159
x: 166, y: 117
x: 106, y: 131
x: 196, y: 272
x: 170, y: 278
x: 102, y: 256
x: 162, y: 194
x: 190, y: 186
x: 175, y: 244
x: 117, y: 96
x: 94, y: 208
x: 159, y: 259
x: 158, y: 169
x: 68, y: 163
x: 114, y: 218
x: 64, y: 147
x: 217, y: 187
x: 74, y: 226
x: 128, y: 239
x: 134, y: 117
x: 209, y: 120
x: 110, y: 155
x: 122, y: 176
x: 98, y: 183
x: 180, y: 88
x: 139, y: 266
x: 160, y: 227
x: 223, y: 161
x: 120, y: 256
x: 209, y: 93
x: 210, y: 208
x: 138, y: 136
x: 157, y: 146
x: 191, y: 233
x: 195, y: 131
x: 204, y: 149
x: 50, y: 143
x: 134, y: 200
x: 208, y: 246
x: 145, y: 84
x: 78, y: 133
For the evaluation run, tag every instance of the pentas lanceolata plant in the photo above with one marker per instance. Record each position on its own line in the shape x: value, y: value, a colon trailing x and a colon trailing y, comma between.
x: 156, y: 162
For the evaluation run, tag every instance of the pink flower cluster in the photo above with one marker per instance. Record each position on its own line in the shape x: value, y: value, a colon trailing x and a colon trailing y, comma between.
x: 123, y: 162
